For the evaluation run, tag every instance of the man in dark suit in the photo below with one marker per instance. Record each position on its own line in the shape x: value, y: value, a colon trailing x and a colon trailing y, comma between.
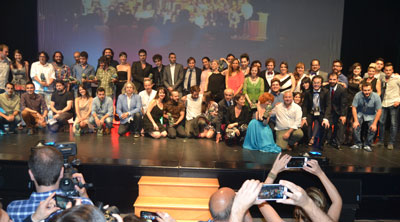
x: 315, y: 70
x: 140, y: 70
x: 338, y: 111
x: 316, y: 109
x: 173, y: 75
x: 158, y: 71
x: 268, y: 74
x: 192, y: 76
x: 223, y: 106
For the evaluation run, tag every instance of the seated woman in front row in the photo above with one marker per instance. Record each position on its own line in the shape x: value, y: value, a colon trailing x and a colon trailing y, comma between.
x: 259, y: 135
x: 238, y: 117
x: 153, y: 118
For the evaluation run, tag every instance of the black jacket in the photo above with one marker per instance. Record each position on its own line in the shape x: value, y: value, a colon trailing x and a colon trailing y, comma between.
x: 325, y: 104
x: 339, y: 101
x: 138, y: 74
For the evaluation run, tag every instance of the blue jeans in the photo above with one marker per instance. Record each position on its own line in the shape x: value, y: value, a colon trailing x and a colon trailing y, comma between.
x: 393, y: 113
x: 370, y: 134
x: 12, y: 125
x: 108, y: 121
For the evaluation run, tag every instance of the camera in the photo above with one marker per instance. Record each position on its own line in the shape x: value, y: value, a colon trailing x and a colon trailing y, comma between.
x: 67, y: 183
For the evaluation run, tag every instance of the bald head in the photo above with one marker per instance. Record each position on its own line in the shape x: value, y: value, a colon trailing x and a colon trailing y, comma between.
x: 221, y: 203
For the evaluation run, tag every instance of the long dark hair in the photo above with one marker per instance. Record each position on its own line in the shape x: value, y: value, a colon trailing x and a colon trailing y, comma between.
x: 208, y: 98
x: 161, y: 88
x: 351, y: 70
x: 14, y: 62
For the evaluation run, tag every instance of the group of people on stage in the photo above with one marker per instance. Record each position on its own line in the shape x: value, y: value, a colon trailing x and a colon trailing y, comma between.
x: 227, y: 99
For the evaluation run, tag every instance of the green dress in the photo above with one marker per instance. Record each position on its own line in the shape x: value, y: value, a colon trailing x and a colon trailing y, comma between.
x: 253, y: 90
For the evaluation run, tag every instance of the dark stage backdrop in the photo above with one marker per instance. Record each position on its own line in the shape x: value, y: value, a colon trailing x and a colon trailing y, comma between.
x: 371, y: 30
x: 283, y: 29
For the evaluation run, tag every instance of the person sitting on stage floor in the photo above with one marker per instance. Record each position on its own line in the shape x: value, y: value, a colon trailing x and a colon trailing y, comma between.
x: 46, y: 169
x: 83, y: 109
x: 61, y: 105
x: 34, y: 109
x: 390, y: 105
x: 314, y: 193
x: 102, y: 111
x: 9, y: 109
x: 129, y: 110
x: 147, y: 95
x: 193, y: 111
x: 223, y: 106
x: 259, y: 134
x: 366, y: 108
x: 238, y: 117
x: 174, y: 113
x: 338, y: 112
x: 153, y: 122
x: 316, y: 109
x: 209, y: 116
x: 288, y: 119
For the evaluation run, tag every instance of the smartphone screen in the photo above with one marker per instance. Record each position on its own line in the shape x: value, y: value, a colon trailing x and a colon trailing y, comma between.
x: 297, y: 162
x: 148, y: 216
x: 62, y: 201
x: 272, y: 192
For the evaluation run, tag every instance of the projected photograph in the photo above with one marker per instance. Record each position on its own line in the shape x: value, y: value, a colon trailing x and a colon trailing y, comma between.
x: 287, y: 30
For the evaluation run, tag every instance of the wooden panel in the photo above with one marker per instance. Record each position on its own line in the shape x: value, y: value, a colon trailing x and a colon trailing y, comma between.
x: 176, y: 191
x: 179, y: 181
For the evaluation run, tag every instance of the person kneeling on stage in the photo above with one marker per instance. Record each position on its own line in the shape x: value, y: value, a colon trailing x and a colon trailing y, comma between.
x: 9, y: 109
x: 128, y: 109
x: 46, y: 169
x: 223, y: 107
x: 83, y: 109
x: 259, y: 135
x: 102, y: 112
x: 288, y: 119
x: 193, y: 111
x: 174, y: 113
x: 208, y: 120
x: 34, y: 109
x: 61, y: 105
x: 153, y: 121
x: 238, y: 117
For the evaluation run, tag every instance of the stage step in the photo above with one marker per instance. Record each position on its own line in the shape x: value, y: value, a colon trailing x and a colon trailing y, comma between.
x: 177, y: 187
x: 185, y: 199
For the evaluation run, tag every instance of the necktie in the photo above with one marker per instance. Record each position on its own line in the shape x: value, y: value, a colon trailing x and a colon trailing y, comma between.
x: 189, y: 79
x: 270, y: 73
x: 316, y: 99
x: 332, y: 93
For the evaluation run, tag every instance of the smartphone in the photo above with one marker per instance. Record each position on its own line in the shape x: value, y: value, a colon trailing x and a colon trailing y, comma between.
x: 148, y: 216
x: 272, y: 192
x: 62, y: 201
x: 297, y: 162
x: 314, y: 153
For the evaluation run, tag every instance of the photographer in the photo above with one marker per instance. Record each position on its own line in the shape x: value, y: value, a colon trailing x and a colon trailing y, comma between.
x: 315, y: 194
x: 45, y: 170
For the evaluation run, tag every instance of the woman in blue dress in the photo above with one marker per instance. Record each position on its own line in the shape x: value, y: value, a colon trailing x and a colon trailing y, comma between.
x: 259, y: 134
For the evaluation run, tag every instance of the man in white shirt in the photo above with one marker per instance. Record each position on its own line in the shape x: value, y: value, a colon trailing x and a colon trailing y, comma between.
x: 288, y: 121
x: 4, y: 67
x: 193, y: 110
x: 147, y: 95
x: 43, y: 76
x: 390, y: 105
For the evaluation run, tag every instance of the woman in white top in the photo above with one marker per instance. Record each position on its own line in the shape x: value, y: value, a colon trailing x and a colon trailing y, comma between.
x: 288, y: 83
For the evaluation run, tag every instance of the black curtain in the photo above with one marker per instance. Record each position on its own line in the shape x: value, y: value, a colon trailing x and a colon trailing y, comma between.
x: 370, y: 30
x: 19, y: 27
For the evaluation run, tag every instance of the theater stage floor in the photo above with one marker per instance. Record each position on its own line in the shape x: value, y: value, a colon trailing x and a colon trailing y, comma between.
x: 368, y: 182
x: 191, y: 153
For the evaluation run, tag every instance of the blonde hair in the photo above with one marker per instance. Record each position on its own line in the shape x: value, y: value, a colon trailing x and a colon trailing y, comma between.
x: 133, y: 86
x: 319, y: 200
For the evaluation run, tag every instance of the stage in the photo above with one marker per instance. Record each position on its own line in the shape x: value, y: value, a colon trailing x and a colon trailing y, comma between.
x: 369, y: 182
